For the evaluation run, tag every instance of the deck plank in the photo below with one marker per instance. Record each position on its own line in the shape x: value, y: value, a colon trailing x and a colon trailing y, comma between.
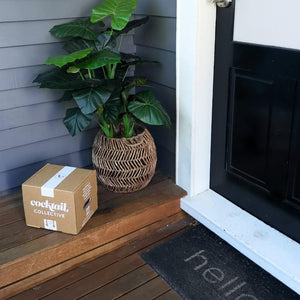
x: 65, y: 247
x: 150, y: 290
x: 123, y: 285
x: 11, y: 204
x: 170, y: 295
x: 90, y: 276
x: 129, y: 213
x: 171, y: 225
x: 11, y: 215
x: 98, y: 279
x: 46, y: 288
x: 30, y: 256
x: 15, y: 235
x: 14, y: 198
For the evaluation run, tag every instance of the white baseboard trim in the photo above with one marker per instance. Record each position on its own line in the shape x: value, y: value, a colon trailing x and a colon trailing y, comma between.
x: 267, y: 247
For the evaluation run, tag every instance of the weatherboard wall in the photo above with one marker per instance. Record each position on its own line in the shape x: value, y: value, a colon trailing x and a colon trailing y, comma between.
x: 157, y: 41
x: 31, y: 128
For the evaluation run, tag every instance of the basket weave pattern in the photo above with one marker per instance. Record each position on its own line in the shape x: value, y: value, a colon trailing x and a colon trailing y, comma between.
x: 124, y: 165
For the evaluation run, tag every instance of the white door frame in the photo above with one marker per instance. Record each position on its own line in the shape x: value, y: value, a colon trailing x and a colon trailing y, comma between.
x: 270, y: 249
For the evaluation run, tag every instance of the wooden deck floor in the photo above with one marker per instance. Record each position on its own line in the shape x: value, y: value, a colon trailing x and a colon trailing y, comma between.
x: 120, y: 274
x: 30, y: 256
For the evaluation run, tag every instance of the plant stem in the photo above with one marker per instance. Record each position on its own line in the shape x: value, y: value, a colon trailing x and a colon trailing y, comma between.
x: 121, y: 40
x: 81, y: 76
x: 89, y: 71
x: 123, y: 94
x: 113, y: 71
x: 108, y: 131
x: 93, y: 73
x: 104, y: 72
x: 109, y: 71
x: 125, y: 73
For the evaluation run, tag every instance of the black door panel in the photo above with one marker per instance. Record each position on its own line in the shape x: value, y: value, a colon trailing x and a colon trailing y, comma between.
x: 293, y: 197
x: 249, y: 126
x: 255, y: 149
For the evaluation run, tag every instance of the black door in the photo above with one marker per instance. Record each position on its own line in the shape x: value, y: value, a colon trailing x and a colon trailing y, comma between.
x: 256, y: 128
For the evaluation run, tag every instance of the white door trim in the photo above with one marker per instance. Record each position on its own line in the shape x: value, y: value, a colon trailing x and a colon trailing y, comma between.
x: 195, y: 63
x: 194, y: 85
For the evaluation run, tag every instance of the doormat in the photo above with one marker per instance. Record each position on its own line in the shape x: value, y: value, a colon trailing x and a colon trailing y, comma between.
x: 199, y: 265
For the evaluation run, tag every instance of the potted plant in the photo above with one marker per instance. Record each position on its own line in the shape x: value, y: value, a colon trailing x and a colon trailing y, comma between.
x: 94, y: 74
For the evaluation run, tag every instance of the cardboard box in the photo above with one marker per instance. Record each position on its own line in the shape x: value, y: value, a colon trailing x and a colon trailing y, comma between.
x: 60, y: 198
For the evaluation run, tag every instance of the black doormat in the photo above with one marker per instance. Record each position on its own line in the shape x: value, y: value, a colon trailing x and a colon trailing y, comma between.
x: 199, y: 265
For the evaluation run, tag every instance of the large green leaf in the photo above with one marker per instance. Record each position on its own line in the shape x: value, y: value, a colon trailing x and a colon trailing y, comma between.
x: 129, y: 57
x: 109, y: 84
x: 89, y: 100
x: 119, y: 10
x: 78, y: 28
x: 59, y: 79
x: 94, y: 82
x: 135, y: 82
x: 139, y: 82
x: 62, y: 60
x: 112, y: 109
x: 77, y: 44
x: 76, y: 121
x: 73, y: 70
x: 99, y: 59
x: 132, y: 82
x: 121, y: 72
x: 149, y: 110
x: 131, y: 25
x: 67, y: 96
x: 106, y: 40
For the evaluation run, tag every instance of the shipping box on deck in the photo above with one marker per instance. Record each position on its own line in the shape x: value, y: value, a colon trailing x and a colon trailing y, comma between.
x: 60, y: 198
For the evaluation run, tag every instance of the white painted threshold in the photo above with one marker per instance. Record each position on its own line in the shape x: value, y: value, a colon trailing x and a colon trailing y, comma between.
x: 267, y: 247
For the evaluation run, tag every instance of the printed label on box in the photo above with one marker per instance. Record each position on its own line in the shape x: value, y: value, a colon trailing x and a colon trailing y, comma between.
x: 49, y: 208
x: 86, y: 192
x: 50, y: 224
x: 88, y: 210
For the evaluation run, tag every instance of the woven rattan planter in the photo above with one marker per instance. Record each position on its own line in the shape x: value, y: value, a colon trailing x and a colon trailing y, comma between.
x: 125, y: 165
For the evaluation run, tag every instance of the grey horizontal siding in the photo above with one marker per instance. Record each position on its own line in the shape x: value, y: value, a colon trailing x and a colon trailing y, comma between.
x: 25, y: 155
x: 20, y: 77
x: 164, y: 136
x: 31, y: 128
x: 54, y: 129
x: 37, y: 133
x: 20, y: 10
x: 22, y: 116
x: 14, y: 98
x: 166, y: 97
x: 17, y: 57
x: 166, y: 160
x: 163, y: 73
x: 163, y: 8
x: 33, y: 55
x: 157, y: 33
x: 31, y: 132
x: 15, y: 177
x: 29, y: 32
x: 157, y: 41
